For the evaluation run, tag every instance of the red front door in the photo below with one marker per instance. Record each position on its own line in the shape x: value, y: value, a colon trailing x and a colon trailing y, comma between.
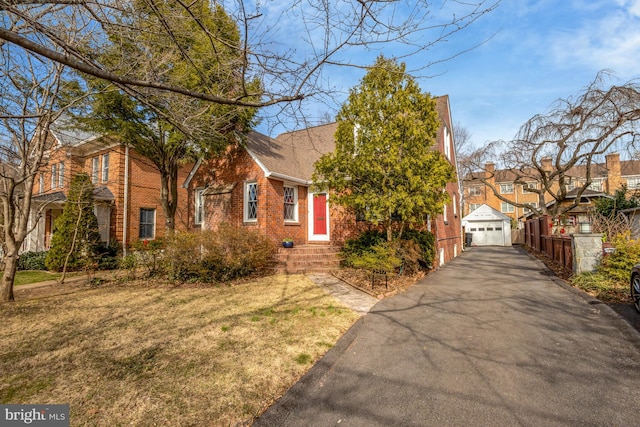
x: 320, y: 214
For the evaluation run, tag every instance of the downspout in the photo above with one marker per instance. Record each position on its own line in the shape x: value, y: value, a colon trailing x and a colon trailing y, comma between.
x: 125, y: 209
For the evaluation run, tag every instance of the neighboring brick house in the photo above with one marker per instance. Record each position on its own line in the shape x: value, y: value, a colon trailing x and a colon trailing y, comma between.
x: 606, y: 178
x: 266, y: 184
x: 126, y: 194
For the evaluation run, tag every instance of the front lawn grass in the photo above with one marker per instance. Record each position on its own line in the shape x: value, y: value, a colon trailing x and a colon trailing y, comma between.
x: 25, y: 277
x: 150, y: 354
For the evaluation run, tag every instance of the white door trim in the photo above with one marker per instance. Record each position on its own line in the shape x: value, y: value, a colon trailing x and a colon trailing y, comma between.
x: 318, y: 237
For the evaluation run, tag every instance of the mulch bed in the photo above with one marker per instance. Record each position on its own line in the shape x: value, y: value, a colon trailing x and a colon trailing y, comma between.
x: 380, y: 285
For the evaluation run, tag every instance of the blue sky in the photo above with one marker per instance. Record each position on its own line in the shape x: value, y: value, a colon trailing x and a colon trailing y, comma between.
x: 536, y: 51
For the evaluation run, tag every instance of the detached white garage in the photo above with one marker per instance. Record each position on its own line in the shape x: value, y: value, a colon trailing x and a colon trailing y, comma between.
x: 488, y: 227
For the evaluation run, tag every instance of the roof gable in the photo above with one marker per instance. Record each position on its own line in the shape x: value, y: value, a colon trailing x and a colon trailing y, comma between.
x: 485, y: 213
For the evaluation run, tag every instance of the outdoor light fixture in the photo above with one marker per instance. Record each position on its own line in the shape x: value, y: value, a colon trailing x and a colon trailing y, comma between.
x: 585, y: 227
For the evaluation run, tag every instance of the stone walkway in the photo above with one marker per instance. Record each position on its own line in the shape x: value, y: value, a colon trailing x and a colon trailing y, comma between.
x: 355, y: 299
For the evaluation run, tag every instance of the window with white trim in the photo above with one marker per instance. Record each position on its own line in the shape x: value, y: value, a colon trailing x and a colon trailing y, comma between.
x: 290, y: 203
x: 506, y: 188
x: 507, y: 207
x: 147, y: 223
x: 455, y: 205
x: 533, y: 204
x: 198, y: 206
x: 595, y: 185
x: 250, y: 201
x: 95, y: 163
x: 529, y: 187
x: 61, y: 174
x: 475, y: 190
x: 105, y: 167
x: 633, y: 183
x: 54, y: 176
x: 474, y: 206
x: 447, y: 143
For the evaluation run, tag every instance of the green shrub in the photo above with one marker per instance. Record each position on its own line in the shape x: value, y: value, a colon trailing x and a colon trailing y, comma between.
x: 354, y: 248
x: 32, y: 261
x: 610, y: 282
x: 415, y: 248
x: 108, y: 255
x: 427, y: 242
x: 380, y: 258
x: 617, y: 266
x: 76, y: 238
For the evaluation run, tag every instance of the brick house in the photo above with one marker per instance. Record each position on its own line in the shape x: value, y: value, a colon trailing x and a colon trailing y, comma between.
x: 126, y: 193
x: 266, y: 184
x: 607, y: 177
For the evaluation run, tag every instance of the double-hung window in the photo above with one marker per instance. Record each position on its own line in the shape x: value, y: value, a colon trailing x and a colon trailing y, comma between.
x: 105, y: 167
x: 290, y: 203
x: 633, y: 183
x: 507, y: 207
x: 54, y: 176
x: 506, y: 188
x: 251, y: 201
x: 475, y: 190
x: 95, y: 164
x: 147, y: 223
x: 61, y: 174
x: 198, y: 206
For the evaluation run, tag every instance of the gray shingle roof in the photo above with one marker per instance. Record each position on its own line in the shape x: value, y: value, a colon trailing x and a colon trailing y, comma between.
x: 293, y: 153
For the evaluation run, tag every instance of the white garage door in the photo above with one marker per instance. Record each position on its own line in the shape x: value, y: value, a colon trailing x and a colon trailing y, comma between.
x: 487, y: 233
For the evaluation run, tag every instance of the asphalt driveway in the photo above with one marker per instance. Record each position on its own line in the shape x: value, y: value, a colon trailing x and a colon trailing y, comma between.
x: 490, y: 339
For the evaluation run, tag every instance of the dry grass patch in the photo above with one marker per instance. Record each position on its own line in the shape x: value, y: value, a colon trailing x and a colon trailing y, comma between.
x: 140, y: 354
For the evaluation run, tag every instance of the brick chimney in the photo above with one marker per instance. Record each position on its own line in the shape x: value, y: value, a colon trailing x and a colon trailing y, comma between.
x: 547, y: 164
x: 489, y: 168
x: 614, y: 180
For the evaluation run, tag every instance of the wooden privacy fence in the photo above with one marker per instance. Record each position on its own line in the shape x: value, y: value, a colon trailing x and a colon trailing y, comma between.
x: 537, y: 235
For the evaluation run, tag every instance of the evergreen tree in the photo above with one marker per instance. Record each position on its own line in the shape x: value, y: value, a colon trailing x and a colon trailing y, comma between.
x: 611, y: 207
x: 76, y: 238
x: 384, y: 166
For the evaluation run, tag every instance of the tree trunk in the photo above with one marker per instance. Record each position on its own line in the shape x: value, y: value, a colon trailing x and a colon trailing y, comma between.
x: 8, y: 276
x: 169, y: 197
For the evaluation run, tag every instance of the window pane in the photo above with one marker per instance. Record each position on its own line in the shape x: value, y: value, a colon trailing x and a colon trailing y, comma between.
x: 94, y: 170
x: 54, y: 176
x: 61, y: 175
x: 147, y: 222
x: 252, y: 201
x: 105, y: 167
x: 199, y: 211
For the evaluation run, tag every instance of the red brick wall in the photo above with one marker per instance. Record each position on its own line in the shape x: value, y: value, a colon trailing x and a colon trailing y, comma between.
x: 144, y: 187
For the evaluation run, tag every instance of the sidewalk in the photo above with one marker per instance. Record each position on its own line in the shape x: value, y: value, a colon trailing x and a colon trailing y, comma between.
x: 353, y: 298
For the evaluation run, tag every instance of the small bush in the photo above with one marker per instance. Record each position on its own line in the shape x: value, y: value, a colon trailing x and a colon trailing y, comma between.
x: 427, y: 242
x: 226, y: 254
x: 415, y: 248
x: 149, y: 255
x: 380, y: 258
x: 611, y: 280
x: 618, y: 265
x: 32, y: 261
x: 108, y: 256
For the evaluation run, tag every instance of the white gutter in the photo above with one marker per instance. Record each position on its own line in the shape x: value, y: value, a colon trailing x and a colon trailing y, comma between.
x: 287, y: 178
x: 125, y: 210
